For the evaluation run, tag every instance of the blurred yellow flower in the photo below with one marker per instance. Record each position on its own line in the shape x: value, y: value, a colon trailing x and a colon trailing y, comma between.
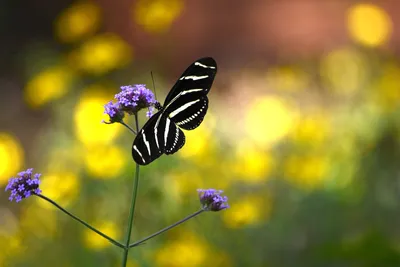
x: 247, y: 210
x: 369, y: 24
x: 289, y: 79
x: 63, y: 188
x: 344, y: 71
x: 88, y: 115
x: 48, y: 85
x: 313, y: 129
x: 157, y: 15
x: 78, y: 21
x: 307, y: 171
x: 386, y: 92
x: 183, y: 183
x: 11, y: 157
x: 105, y: 161
x: 268, y: 120
x: 33, y: 215
x: 187, y: 250
x: 101, y: 54
x: 199, y: 144
x: 251, y: 163
x: 96, y: 242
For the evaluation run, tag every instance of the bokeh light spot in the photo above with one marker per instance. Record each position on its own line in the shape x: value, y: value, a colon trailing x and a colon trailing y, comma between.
x: 386, y: 91
x: 96, y: 242
x: 101, y: 54
x: 105, y: 162
x: 78, y: 21
x: 312, y: 130
x: 247, y: 210
x: 188, y: 250
x: 157, y: 15
x: 183, y: 183
x: 287, y: 79
x: 48, y: 85
x: 344, y: 71
x: 268, y: 120
x: 307, y: 171
x: 39, y: 221
x: 199, y: 144
x: 251, y: 163
x: 11, y: 157
x: 60, y: 187
x: 89, y: 113
x: 369, y: 24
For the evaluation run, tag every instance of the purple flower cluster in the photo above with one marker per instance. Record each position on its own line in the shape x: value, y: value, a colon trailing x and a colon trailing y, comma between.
x: 24, y: 185
x: 211, y: 199
x: 131, y: 99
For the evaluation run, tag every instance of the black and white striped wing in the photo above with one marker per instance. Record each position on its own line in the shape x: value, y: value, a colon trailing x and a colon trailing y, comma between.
x: 184, y: 107
x: 147, y: 146
x: 159, y: 135
x: 187, y: 102
x: 174, y: 137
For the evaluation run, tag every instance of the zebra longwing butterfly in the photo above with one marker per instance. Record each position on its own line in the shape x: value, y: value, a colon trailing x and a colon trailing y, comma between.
x: 185, y: 107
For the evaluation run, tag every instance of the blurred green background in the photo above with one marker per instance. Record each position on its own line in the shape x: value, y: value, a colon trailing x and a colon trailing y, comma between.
x: 302, y: 132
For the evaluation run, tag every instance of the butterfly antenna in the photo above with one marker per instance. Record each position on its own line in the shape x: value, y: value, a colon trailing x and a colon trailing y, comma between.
x: 157, y: 105
x: 154, y: 85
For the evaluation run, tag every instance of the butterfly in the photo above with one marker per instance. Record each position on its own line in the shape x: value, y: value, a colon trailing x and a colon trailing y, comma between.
x: 184, y: 107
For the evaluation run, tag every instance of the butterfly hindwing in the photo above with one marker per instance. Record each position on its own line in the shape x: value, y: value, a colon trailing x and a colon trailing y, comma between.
x: 174, y: 137
x: 190, y: 114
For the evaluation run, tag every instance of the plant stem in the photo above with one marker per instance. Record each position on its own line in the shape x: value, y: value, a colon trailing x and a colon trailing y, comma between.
x: 130, y: 129
x: 132, y: 210
x: 82, y: 222
x: 165, y: 229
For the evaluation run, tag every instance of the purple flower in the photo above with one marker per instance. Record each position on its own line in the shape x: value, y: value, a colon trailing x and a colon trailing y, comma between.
x: 24, y: 185
x: 133, y: 98
x: 113, y: 110
x: 211, y: 199
x: 149, y: 113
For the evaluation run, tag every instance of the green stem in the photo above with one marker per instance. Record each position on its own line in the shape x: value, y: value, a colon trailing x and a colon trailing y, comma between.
x: 82, y: 222
x: 165, y: 229
x: 130, y: 129
x: 132, y: 210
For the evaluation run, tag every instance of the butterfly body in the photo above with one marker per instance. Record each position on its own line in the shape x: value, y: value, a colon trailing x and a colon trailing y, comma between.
x: 184, y: 107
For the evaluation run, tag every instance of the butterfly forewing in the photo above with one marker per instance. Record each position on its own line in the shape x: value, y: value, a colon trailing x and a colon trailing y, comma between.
x: 187, y: 102
x: 185, y: 106
x: 199, y: 75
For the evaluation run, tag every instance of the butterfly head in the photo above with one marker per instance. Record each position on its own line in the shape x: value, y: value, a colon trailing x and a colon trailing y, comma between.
x: 158, y: 106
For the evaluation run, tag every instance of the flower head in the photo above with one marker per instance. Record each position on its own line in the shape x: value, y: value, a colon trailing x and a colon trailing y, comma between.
x: 113, y: 110
x: 24, y: 185
x: 211, y: 199
x: 133, y: 98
